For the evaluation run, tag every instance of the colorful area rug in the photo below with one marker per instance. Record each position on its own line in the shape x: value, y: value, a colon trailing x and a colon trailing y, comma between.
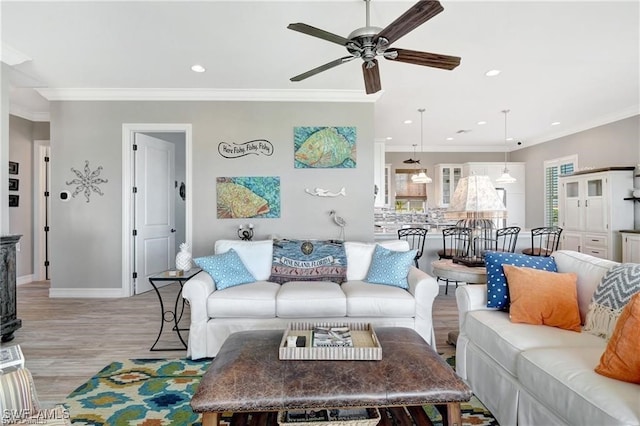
x: 157, y: 392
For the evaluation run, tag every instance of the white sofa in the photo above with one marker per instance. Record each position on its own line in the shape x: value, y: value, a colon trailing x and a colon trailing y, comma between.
x: 263, y: 305
x: 540, y: 375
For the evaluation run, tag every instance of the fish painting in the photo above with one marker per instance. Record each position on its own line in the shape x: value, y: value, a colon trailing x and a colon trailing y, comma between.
x: 248, y: 197
x: 327, y: 147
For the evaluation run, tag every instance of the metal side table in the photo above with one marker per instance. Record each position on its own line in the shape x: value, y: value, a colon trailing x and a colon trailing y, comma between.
x: 168, y: 315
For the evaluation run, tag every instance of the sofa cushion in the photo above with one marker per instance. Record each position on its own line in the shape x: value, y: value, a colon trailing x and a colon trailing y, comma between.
x: 390, y: 267
x: 497, y: 291
x: 612, y: 294
x: 309, y: 299
x: 502, y: 340
x: 256, y: 255
x: 543, y: 298
x: 226, y: 269
x: 563, y: 380
x: 621, y: 359
x: 590, y: 271
x: 359, y: 256
x: 308, y: 260
x: 378, y: 300
x: 254, y: 300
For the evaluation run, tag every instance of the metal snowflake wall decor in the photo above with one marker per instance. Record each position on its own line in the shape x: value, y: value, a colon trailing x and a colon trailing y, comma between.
x: 87, y: 181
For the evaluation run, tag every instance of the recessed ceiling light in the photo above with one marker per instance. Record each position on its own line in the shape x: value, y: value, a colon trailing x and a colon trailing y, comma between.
x: 509, y: 139
x: 555, y: 123
x: 408, y: 121
x: 481, y: 123
x: 197, y: 68
x: 389, y: 138
x: 449, y: 138
x: 492, y: 73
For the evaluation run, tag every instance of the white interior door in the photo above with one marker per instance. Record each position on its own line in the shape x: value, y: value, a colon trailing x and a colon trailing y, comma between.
x: 154, y: 208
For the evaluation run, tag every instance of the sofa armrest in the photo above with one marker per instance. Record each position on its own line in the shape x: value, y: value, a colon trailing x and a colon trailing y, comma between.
x: 424, y: 289
x: 471, y: 297
x: 196, y: 291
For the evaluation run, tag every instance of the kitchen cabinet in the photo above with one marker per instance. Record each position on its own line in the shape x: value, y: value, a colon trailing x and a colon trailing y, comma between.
x: 630, y: 247
x: 447, y: 177
x: 592, y: 209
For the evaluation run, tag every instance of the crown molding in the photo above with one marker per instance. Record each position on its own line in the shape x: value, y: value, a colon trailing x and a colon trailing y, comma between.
x: 255, y: 95
x: 12, y: 56
x: 27, y: 114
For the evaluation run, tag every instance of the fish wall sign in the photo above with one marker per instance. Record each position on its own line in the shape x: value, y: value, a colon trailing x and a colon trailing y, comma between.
x: 254, y: 147
x: 324, y: 147
x: 245, y: 197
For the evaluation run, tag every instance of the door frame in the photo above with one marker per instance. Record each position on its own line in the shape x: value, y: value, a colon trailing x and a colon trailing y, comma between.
x: 41, y: 148
x: 128, y: 132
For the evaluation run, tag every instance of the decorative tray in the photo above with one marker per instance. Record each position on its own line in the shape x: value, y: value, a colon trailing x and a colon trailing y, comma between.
x: 365, y: 344
x: 469, y: 261
x: 331, y: 417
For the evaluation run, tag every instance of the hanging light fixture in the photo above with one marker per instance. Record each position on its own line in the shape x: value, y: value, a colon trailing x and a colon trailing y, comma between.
x: 506, y: 177
x: 422, y: 176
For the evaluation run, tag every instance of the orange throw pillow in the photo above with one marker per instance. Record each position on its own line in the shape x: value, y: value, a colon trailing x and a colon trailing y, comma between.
x: 543, y: 298
x: 621, y: 358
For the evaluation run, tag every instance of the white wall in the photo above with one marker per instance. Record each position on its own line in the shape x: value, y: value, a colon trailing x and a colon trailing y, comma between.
x: 86, y: 239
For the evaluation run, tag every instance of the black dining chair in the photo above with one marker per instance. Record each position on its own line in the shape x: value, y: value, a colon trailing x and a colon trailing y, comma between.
x: 544, y: 241
x: 506, y: 239
x: 456, y: 242
x: 415, y: 237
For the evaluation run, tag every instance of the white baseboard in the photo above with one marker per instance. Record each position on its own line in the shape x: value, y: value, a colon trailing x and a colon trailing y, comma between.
x: 86, y: 293
x: 25, y: 279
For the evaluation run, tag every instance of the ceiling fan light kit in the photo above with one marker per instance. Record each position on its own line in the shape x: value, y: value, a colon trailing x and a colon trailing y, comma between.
x: 369, y: 42
x: 505, y: 177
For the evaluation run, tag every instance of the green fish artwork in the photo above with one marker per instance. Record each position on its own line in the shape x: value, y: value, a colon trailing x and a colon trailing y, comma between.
x: 244, y: 197
x: 324, y: 147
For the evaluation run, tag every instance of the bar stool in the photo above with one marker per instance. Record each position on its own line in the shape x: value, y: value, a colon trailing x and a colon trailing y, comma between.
x: 415, y: 237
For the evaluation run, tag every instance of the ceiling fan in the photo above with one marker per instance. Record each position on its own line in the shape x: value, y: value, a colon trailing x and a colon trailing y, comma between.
x: 368, y: 42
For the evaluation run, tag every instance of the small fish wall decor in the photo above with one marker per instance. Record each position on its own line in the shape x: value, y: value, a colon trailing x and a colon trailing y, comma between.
x: 87, y: 181
x: 324, y: 147
x: 237, y: 150
x: 245, y: 197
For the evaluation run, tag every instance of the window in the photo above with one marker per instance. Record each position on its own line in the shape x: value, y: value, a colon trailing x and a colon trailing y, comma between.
x: 552, y: 170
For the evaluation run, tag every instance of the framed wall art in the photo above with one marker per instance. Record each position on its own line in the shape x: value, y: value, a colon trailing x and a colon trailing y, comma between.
x: 324, y: 147
x: 14, y: 200
x: 14, y: 184
x: 245, y: 197
x: 13, y: 168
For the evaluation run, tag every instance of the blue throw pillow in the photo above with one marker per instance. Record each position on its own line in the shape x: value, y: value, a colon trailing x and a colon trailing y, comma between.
x: 390, y: 267
x: 497, y: 290
x: 226, y: 269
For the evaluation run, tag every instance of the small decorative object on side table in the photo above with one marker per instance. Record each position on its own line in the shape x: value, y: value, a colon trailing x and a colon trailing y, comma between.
x: 180, y: 277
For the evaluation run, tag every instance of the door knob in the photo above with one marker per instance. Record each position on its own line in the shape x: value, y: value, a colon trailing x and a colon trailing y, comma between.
x: 173, y: 230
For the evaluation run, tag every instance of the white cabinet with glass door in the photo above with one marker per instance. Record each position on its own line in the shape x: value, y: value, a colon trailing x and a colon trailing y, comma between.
x: 447, y: 177
x: 592, y: 210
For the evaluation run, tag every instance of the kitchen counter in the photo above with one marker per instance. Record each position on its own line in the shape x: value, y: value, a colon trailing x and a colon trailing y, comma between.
x: 628, y: 231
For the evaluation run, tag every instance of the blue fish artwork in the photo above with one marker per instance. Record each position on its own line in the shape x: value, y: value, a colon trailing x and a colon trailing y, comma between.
x: 324, y: 147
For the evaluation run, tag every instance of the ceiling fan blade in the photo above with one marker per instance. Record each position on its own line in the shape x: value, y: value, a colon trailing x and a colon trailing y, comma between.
x: 321, y: 68
x: 317, y: 32
x: 371, y: 72
x: 417, y: 15
x: 426, y: 59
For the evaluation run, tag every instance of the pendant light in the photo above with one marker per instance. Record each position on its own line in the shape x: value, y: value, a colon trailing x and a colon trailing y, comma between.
x: 422, y: 176
x: 506, y: 177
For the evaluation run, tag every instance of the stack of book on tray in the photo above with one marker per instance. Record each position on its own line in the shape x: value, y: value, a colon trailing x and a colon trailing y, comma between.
x: 321, y: 415
x: 11, y: 358
x: 332, y: 337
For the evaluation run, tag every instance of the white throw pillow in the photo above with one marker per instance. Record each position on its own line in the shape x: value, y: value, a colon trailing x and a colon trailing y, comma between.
x: 359, y: 256
x: 256, y: 255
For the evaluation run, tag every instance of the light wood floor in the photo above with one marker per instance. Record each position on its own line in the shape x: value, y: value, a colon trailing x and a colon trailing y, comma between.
x: 67, y: 341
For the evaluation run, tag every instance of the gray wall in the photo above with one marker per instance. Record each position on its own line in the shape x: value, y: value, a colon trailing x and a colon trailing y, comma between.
x: 22, y: 133
x: 613, y: 144
x: 86, y: 237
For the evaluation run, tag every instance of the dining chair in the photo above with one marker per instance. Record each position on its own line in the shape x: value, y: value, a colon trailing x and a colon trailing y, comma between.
x: 456, y: 242
x: 415, y: 237
x: 506, y: 239
x: 544, y: 241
